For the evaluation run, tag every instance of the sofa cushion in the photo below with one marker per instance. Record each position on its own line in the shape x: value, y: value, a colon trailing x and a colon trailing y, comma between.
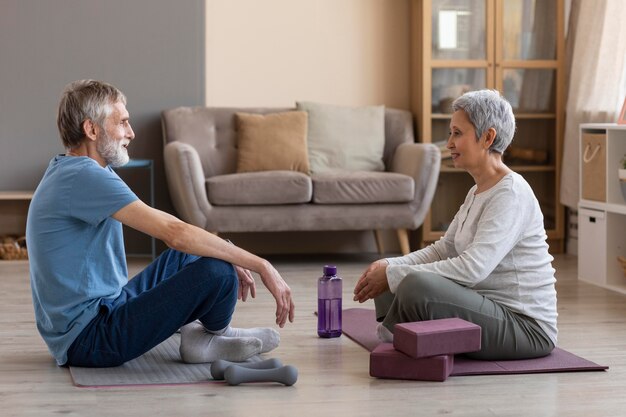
x: 259, y: 188
x: 274, y: 141
x: 348, y: 138
x: 359, y: 187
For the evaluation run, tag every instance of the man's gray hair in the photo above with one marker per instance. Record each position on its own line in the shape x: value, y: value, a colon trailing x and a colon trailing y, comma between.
x: 488, y: 109
x: 84, y: 100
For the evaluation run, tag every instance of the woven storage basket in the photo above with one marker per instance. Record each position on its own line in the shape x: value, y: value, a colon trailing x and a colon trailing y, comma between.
x: 13, y: 248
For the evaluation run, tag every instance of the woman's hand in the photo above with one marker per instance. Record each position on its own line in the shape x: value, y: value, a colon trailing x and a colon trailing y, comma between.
x: 372, y: 282
x: 246, y: 284
x: 285, y: 308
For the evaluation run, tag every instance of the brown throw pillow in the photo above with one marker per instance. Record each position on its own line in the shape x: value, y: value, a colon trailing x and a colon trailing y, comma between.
x: 272, y: 142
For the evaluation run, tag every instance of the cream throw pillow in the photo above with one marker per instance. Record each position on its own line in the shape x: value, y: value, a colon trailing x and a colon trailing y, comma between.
x: 349, y: 138
x: 272, y: 142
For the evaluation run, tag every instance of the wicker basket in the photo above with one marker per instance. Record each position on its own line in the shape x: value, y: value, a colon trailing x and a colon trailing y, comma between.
x: 13, y: 248
x: 622, y: 262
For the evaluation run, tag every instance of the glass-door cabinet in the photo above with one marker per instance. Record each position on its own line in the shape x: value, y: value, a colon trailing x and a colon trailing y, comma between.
x: 514, y: 46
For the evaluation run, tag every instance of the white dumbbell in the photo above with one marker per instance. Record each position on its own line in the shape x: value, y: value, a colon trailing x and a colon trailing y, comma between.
x: 219, y: 366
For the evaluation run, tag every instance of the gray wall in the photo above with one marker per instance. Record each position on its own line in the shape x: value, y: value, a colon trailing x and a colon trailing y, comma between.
x: 153, y: 50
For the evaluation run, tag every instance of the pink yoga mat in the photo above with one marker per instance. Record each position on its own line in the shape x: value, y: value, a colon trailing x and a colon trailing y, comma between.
x: 359, y: 324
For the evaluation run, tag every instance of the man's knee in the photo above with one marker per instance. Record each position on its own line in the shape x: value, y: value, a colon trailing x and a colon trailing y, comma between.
x: 218, y: 272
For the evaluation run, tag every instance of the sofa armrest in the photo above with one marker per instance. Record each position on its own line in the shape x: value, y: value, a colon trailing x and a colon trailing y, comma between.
x: 186, y: 183
x: 422, y: 162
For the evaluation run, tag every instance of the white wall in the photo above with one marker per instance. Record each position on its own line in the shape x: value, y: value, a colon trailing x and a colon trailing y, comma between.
x: 274, y: 52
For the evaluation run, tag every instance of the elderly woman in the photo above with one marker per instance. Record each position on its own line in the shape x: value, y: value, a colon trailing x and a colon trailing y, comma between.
x: 492, y: 266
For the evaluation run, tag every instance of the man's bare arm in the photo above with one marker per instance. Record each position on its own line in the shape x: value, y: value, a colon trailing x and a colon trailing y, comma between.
x: 188, y: 238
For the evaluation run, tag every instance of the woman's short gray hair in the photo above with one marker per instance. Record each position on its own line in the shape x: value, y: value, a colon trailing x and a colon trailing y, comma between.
x: 84, y: 100
x: 488, y: 109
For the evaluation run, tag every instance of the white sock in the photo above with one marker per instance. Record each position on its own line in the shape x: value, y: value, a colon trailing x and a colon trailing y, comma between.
x: 199, y: 346
x: 269, y: 336
x: 384, y: 334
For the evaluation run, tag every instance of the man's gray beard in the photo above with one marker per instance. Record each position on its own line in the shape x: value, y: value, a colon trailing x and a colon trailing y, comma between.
x: 113, y: 154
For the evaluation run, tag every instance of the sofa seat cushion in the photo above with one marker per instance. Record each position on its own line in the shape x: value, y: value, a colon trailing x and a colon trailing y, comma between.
x: 362, y: 187
x: 259, y: 188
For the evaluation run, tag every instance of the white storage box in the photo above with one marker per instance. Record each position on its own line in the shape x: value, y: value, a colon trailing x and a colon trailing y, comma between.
x: 591, y: 245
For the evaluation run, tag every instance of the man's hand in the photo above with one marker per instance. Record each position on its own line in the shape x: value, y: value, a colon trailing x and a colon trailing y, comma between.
x: 246, y: 284
x: 285, y: 308
x: 372, y: 282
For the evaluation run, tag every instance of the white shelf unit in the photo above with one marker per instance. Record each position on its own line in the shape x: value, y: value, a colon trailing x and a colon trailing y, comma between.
x: 602, y: 224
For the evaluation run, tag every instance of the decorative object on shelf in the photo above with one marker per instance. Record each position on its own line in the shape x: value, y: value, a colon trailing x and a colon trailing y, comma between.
x: 449, y: 94
x: 621, y: 120
x: 443, y: 149
x: 527, y: 155
x: 13, y: 248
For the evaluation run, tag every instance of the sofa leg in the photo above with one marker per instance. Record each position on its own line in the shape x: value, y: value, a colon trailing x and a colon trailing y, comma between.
x: 378, y: 234
x: 403, y: 238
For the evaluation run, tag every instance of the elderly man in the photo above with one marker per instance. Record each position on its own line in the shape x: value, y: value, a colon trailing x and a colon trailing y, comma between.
x: 87, y: 311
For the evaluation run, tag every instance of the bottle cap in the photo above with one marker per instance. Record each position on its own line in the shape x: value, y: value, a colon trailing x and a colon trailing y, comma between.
x: 330, y: 270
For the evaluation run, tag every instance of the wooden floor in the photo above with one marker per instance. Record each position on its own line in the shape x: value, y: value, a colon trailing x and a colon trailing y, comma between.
x: 333, y: 373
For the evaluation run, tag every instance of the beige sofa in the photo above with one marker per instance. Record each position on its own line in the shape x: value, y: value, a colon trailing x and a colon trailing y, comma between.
x: 201, y: 162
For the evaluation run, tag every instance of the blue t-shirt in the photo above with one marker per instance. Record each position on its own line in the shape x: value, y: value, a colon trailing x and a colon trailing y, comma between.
x: 75, y: 248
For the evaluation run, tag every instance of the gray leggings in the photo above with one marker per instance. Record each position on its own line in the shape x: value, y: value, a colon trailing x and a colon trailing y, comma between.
x: 426, y: 296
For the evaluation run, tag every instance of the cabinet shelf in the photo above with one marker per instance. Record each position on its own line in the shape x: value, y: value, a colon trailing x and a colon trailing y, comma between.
x: 16, y: 195
x: 470, y: 63
x: 609, y: 207
x: 524, y: 116
x: 529, y: 64
x: 518, y: 116
x: 516, y: 168
x: 460, y: 64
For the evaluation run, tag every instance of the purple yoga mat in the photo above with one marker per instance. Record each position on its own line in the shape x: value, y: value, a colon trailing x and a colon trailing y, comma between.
x: 359, y: 324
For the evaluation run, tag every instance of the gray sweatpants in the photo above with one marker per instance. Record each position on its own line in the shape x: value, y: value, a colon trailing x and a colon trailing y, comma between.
x: 426, y: 296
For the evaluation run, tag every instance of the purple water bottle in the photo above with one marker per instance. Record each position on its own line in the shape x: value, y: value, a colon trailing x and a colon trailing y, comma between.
x: 329, y: 303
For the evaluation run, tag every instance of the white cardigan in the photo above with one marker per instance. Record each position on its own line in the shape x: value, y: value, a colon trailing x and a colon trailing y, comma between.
x: 496, y: 245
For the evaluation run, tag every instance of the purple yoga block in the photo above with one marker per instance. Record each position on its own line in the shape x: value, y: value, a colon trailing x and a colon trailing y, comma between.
x: 386, y: 362
x: 421, y: 339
